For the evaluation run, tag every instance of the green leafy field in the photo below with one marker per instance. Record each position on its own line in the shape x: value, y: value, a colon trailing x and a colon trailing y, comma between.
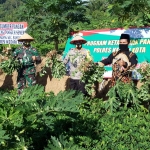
x: 69, y: 121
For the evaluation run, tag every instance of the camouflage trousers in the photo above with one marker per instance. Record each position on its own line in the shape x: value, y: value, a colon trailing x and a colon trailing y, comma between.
x: 25, y: 80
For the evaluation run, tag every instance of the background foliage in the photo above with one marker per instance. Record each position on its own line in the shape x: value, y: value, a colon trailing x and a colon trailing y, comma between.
x: 44, y: 121
x: 50, y: 22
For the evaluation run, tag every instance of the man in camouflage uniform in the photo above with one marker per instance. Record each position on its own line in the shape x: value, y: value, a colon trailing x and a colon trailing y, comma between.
x: 76, y: 56
x: 27, y: 56
x: 122, y: 61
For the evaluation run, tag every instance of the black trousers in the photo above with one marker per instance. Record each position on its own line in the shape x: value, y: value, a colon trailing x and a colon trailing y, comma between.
x: 77, y: 85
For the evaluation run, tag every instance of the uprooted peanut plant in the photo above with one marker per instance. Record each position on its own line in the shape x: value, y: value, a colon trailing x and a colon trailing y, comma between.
x: 53, y: 61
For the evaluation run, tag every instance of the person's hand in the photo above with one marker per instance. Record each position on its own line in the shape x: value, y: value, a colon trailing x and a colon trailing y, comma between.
x: 19, y: 56
x: 101, y: 64
x: 33, y: 58
x: 121, y: 63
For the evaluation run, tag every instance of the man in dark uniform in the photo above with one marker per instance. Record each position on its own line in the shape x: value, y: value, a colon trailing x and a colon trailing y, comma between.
x: 27, y: 56
x: 123, y: 61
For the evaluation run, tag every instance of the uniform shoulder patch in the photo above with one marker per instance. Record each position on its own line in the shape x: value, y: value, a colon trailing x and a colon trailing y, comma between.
x: 71, y: 49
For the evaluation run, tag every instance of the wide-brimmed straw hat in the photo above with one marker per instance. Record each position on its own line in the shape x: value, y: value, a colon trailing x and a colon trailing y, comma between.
x: 26, y: 36
x: 78, y: 38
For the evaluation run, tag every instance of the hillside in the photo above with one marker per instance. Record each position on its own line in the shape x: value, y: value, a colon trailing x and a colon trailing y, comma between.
x: 8, y: 10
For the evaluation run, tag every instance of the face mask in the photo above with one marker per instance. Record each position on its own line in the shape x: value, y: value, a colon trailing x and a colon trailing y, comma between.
x: 26, y: 44
x: 123, y: 47
x: 78, y: 45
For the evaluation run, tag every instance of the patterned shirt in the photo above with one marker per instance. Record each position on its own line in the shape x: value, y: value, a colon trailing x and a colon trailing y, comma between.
x: 25, y: 56
x: 118, y: 73
x: 75, y: 57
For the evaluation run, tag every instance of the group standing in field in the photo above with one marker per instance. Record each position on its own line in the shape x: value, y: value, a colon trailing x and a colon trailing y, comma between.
x: 123, y: 62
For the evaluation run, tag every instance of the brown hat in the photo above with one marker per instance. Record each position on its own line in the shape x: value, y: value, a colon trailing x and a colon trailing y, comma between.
x: 78, y: 38
x: 26, y: 36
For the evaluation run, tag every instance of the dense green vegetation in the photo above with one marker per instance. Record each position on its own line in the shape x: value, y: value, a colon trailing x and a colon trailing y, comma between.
x: 50, y: 22
x: 69, y: 121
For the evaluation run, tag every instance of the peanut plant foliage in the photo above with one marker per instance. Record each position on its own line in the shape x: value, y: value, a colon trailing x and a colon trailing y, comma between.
x: 56, y: 65
x: 36, y: 120
x: 10, y: 65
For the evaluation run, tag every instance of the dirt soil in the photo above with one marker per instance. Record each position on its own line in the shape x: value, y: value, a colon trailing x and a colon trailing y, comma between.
x: 50, y: 84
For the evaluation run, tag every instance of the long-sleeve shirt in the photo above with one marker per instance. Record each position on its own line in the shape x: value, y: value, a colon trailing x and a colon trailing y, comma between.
x: 75, y: 57
x: 119, y: 72
x: 25, y: 57
x: 131, y: 56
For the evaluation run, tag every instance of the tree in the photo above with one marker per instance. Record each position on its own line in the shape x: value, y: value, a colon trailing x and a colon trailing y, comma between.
x: 2, y: 1
x: 8, y: 10
x: 51, y: 21
x: 130, y: 12
x: 99, y: 16
x: 118, y: 13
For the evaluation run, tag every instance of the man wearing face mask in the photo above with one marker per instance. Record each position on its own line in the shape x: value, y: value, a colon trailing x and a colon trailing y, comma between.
x: 27, y: 56
x: 122, y: 61
x: 76, y: 56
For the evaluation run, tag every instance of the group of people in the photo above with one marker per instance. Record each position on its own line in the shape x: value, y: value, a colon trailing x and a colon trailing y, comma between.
x: 123, y: 61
